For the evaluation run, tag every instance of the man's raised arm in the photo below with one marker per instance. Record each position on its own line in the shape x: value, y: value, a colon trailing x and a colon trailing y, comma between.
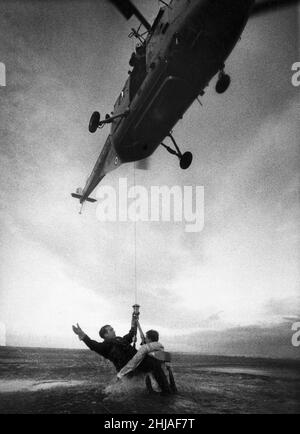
x: 98, y: 347
x: 129, y: 337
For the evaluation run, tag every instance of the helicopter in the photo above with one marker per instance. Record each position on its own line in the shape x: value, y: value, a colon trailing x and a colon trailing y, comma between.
x: 175, y: 59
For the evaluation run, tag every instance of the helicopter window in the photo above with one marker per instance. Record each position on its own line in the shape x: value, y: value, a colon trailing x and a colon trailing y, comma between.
x: 138, y: 73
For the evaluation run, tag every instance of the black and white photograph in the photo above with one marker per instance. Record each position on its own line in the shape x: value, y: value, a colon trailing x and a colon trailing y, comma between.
x: 150, y: 209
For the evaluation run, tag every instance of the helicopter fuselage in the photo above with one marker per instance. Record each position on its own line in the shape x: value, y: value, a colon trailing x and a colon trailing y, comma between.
x: 186, y: 47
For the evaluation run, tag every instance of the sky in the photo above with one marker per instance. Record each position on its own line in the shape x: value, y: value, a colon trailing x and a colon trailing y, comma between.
x: 232, y: 288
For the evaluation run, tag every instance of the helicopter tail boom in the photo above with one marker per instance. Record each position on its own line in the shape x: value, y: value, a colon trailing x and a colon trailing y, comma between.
x: 80, y: 197
x: 127, y: 9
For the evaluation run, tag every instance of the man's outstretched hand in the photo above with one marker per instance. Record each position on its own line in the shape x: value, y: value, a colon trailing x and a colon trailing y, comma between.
x: 78, y: 331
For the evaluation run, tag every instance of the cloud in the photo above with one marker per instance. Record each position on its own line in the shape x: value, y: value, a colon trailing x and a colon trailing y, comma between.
x: 274, y: 341
x: 292, y: 319
x: 285, y: 306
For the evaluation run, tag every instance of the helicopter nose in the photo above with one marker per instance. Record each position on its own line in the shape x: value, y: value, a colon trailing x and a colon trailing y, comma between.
x: 229, y: 17
x: 224, y: 13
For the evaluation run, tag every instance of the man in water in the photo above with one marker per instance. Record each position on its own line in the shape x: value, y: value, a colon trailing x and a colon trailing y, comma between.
x: 153, y: 348
x: 119, y: 351
x: 150, y: 346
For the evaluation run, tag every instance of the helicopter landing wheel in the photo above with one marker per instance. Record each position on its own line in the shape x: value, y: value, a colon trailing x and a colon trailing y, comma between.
x: 223, y: 82
x: 94, y: 122
x: 186, y: 160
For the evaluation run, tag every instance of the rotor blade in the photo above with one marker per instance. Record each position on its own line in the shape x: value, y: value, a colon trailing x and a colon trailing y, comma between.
x: 143, y: 164
x: 271, y: 5
x: 127, y: 9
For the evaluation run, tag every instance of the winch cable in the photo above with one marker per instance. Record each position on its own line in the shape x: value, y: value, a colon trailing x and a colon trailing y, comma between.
x: 136, y: 312
x: 135, y: 239
x: 136, y: 306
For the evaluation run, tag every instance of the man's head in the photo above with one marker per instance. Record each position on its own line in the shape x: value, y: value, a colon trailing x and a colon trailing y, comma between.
x: 107, y: 332
x: 152, y: 336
